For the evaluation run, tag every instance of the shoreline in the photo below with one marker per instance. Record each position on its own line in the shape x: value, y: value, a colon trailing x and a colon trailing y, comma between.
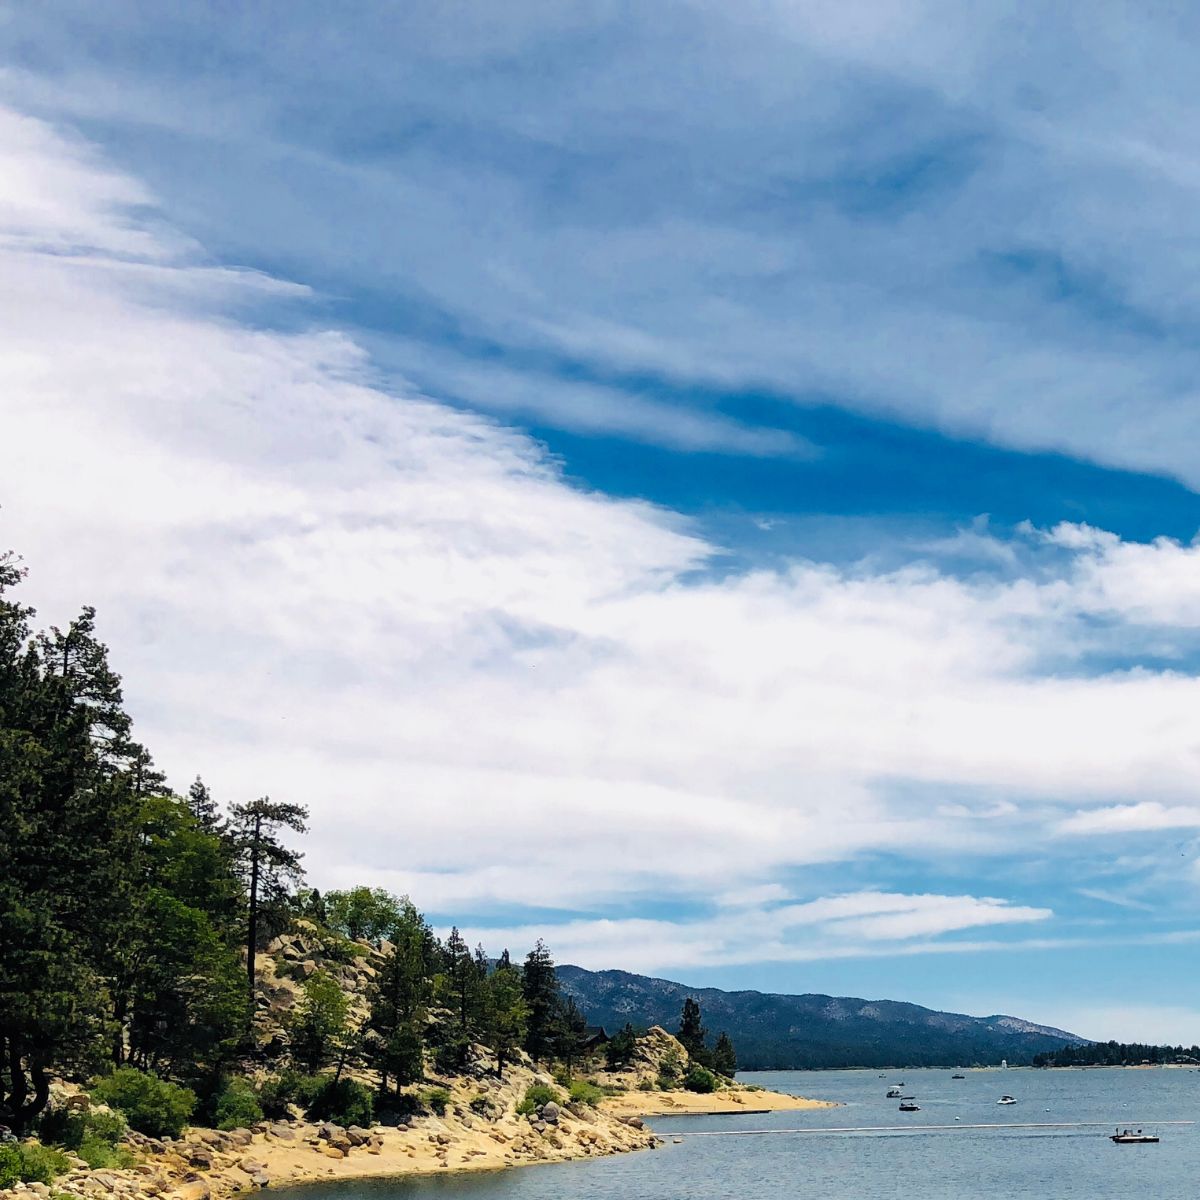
x: 206, y: 1164
x: 726, y: 1102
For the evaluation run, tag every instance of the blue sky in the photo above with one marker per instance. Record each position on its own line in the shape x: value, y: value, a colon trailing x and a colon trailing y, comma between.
x: 714, y: 485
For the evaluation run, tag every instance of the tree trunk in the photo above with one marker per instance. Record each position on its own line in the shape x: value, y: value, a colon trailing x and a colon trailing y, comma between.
x: 252, y: 928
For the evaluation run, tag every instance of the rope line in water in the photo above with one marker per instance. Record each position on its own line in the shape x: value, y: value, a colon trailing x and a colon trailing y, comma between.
x: 928, y: 1128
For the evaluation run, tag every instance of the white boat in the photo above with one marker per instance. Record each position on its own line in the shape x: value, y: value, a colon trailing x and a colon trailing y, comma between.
x: 1006, y: 1100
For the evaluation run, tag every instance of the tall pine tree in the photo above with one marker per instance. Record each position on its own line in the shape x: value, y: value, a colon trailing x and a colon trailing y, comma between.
x: 269, y: 868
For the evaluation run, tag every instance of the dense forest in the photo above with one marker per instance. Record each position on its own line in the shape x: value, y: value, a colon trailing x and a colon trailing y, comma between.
x: 1117, y: 1054
x: 132, y: 919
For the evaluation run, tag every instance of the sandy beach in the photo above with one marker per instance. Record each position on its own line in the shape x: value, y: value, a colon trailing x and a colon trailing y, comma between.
x: 727, y: 1100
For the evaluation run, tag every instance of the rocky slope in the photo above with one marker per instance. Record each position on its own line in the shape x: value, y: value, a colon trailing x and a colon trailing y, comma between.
x: 807, y: 1031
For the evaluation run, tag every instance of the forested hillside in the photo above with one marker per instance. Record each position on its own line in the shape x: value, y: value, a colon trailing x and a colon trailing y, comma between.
x: 814, y: 1031
x: 133, y: 923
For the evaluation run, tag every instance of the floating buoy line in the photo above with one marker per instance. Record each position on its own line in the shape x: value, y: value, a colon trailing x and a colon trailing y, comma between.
x: 814, y: 1129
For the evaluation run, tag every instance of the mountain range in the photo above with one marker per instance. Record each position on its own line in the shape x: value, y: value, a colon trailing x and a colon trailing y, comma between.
x: 781, y: 1032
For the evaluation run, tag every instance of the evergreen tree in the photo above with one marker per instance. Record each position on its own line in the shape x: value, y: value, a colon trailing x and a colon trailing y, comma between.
x: 724, y: 1058
x: 68, y: 848
x: 540, y: 990
x: 268, y: 866
x: 621, y: 1047
x: 398, y: 1000
x: 204, y: 808
x: 569, y: 1033
x: 507, y: 1013
x: 320, y: 1025
x: 692, y: 1033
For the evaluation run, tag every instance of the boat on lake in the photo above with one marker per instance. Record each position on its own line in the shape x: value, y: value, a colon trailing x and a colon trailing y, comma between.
x: 909, y: 1106
x: 1006, y: 1100
x: 958, y: 1077
x: 893, y: 1094
x: 1132, y: 1137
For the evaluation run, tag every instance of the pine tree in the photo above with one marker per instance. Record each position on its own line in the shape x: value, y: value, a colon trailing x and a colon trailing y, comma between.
x: 724, y: 1058
x: 68, y: 845
x: 204, y: 808
x: 267, y: 865
x: 621, y: 1047
x: 398, y: 1001
x: 570, y: 1032
x: 692, y: 1033
x: 540, y: 990
x: 508, y: 1015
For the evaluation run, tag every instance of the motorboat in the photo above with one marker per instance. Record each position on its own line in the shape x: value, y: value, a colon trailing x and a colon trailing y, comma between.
x: 909, y: 1106
x: 1132, y: 1137
x: 958, y: 1077
x: 1006, y: 1100
x: 893, y: 1094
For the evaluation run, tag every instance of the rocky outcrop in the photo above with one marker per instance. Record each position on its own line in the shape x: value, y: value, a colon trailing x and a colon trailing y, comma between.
x: 208, y: 1164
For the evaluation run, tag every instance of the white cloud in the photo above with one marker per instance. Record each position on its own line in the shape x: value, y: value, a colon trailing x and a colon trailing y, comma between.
x: 492, y: 687
x: 1003, y: 254
x: 861, y: 924
x: 1132, y: 818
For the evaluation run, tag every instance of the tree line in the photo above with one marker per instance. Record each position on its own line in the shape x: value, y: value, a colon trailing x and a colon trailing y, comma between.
x: 1116, y: 1054
x: 132, y: 918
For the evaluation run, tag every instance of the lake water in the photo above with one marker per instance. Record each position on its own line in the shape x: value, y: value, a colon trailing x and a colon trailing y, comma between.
x: 954, y: 1164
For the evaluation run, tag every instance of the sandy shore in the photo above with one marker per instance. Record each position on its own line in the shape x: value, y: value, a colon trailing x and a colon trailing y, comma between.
x: 728, y: 1100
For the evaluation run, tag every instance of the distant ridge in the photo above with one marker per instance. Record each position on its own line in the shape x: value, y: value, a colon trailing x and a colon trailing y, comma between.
x: 781, y: 1032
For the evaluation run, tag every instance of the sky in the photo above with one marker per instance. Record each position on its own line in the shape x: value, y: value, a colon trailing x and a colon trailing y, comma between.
x: 712, y: 486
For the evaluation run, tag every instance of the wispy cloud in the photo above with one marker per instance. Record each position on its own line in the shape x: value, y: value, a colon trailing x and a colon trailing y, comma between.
x: 496, y: 689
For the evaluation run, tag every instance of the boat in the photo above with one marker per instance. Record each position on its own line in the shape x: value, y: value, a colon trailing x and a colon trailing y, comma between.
x: 1132, y: 1137
x: 958, y: 1077
x: 893, y: 1094
x: 909, y: 1106
x: 1006, y: 1100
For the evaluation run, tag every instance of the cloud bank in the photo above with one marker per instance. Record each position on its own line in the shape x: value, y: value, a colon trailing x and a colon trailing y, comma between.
x: 510, y: 696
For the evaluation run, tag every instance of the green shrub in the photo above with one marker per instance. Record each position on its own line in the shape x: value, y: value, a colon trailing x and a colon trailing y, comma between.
x: 583, y: 1092
x: 99, y: 1154
x: 288, y: 1087
x: 151, y: 1105
x: 535, y: 1096
x: 646, y: 1085
x: 10, y: 1164
x: 450, y: 1057
x: 483, y: 1106
x: 392, y: 1108
x: 700, y: 1079
x: 237, y: 1105
x: 343, y: 1101
x: 29, y: 1162
x: 70, y: 1127
x: 435, y: 1099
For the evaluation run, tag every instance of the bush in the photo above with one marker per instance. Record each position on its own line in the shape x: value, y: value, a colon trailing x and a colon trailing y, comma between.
x: 151, y: 1105
x: 70, y: 1127
x: 342, y: 1101
x: 483, y: 1106
x: 700, y: 1079
x: 29, y: 1162
x: 237, y: 1105
x: 583, y: 1092
x: 435, y: 1099
x: 10, y: 1164
x: 391, y: 1109
x: 451, y: 1057
x: 289, y: 1087
x: 535, y: 1096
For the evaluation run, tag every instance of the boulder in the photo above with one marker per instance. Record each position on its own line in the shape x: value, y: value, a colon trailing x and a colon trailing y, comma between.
x: 550, y: 1113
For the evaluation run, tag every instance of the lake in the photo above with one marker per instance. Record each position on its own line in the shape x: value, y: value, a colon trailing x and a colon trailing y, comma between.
x: 954, y: 1164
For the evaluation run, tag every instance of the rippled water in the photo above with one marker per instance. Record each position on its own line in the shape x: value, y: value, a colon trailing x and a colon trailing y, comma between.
x: 953, y: 1164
